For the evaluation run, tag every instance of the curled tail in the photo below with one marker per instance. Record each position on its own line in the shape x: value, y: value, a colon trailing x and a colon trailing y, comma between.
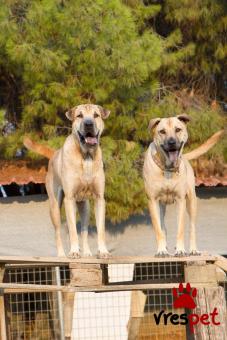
x: 43, y: 150
x: 205, y: 146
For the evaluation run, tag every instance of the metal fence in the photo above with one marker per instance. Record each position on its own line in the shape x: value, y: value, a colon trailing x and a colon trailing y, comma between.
x: 94, y: 315
x: 33, y: 315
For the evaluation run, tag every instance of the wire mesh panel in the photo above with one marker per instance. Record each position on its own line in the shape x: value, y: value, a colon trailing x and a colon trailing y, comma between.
x: 34, y: 315
x: 159, y: 271
x: 45, y: 275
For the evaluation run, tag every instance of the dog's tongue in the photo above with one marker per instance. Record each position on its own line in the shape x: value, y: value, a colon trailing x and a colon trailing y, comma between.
x: 91, y: 140
x: 173, y: 156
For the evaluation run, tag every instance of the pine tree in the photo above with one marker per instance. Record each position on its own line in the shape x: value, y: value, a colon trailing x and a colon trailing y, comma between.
x: 57, y: 54
x: 61, y: 54
x: 201, y: 27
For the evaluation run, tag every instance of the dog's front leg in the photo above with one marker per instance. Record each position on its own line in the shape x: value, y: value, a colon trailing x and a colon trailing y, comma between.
x: 70, y: 211
x: 162, y: 208
x: 160, y: 234
x: 84, y: 211
x: 100, y: 223
x: 180, y: 250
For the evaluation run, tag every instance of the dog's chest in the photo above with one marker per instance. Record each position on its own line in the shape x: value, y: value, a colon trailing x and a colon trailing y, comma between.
x: 86, y: 189
x: 85, y: 192
x: 168, y: 193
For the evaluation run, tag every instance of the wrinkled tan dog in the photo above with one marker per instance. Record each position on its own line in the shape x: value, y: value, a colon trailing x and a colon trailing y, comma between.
x: 169, y: 178
x: 75, y: 174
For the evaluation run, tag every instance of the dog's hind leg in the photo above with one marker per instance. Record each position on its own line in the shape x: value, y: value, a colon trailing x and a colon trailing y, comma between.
x: 55, y: 201
x: 84, y: 212
x: 156, y: 222
x: 70, y: 211
x: 192, y: 211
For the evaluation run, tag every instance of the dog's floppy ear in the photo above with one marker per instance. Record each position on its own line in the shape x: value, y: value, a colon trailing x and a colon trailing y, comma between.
x: 104, y: 112
x: 70, y: 114
x: 153, y: 123
x: 184, y: 118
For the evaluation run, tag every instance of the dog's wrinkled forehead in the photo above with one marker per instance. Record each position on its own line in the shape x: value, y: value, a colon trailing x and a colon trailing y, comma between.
x: 170, y: 124
x: 172, y: 127
x: 87, y: 110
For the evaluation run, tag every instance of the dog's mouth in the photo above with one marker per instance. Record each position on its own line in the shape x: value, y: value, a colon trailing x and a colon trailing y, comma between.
x: 172, y: 152
x: 88, y: 138
x: 172, y: 155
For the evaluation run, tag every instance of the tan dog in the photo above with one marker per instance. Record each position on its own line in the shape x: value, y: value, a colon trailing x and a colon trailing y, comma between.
x: 75, y: 173
x: 169, y: 178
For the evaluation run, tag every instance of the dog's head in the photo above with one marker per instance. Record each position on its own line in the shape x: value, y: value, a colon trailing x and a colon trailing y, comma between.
x: 170, y: 135
x: 87, y: 124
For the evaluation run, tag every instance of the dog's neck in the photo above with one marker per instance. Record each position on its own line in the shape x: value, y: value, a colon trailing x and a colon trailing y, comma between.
x: 89, y: 154
x: 86, y: 153
x: 90, y: 160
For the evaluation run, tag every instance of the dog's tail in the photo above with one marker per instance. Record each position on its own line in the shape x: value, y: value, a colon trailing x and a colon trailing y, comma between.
x: 43, y: 150
x: 48, y: 152
x: 205, y: 146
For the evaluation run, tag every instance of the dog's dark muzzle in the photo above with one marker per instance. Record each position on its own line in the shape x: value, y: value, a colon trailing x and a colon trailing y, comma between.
x: 88, y: 125
x: 89, y: 136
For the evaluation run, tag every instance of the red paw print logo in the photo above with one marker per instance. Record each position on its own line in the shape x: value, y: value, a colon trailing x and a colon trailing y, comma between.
x: 185, y: 300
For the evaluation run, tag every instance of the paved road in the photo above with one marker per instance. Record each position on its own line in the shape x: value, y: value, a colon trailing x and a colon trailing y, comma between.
x: 26, y: 228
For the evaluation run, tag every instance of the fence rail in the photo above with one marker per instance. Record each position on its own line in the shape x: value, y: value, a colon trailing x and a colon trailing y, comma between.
x: 111, y: 260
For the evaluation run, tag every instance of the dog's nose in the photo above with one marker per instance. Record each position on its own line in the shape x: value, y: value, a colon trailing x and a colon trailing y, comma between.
x: 88, y: 123
x: 172, y: 141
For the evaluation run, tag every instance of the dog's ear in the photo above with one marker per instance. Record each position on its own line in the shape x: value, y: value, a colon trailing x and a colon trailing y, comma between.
x: 153, y: 123
x: 70, y: 114
x: 184, y: 118
x: 104, y: 112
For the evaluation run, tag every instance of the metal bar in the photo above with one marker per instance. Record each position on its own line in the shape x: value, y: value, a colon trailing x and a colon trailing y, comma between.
x: 60, y: 304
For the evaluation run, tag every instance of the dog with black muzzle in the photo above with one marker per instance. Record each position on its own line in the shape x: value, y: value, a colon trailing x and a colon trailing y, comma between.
x: 169, y: 178
x: 75, y: 174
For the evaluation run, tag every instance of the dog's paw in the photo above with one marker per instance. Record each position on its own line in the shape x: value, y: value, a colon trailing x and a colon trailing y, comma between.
x: 194, y: 252
x: 104, y: 255
x: 74, y: 254
x: 162, y: 253
x: 180, y: 253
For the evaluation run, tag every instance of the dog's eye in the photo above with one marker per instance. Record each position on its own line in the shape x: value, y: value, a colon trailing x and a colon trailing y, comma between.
x: 80, y: 115
x: 177, y: 129
x: 163, y: 132
x: 96, y: 115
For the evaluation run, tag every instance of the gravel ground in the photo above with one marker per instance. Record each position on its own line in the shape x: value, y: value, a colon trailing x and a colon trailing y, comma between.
x: 27, y: 230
